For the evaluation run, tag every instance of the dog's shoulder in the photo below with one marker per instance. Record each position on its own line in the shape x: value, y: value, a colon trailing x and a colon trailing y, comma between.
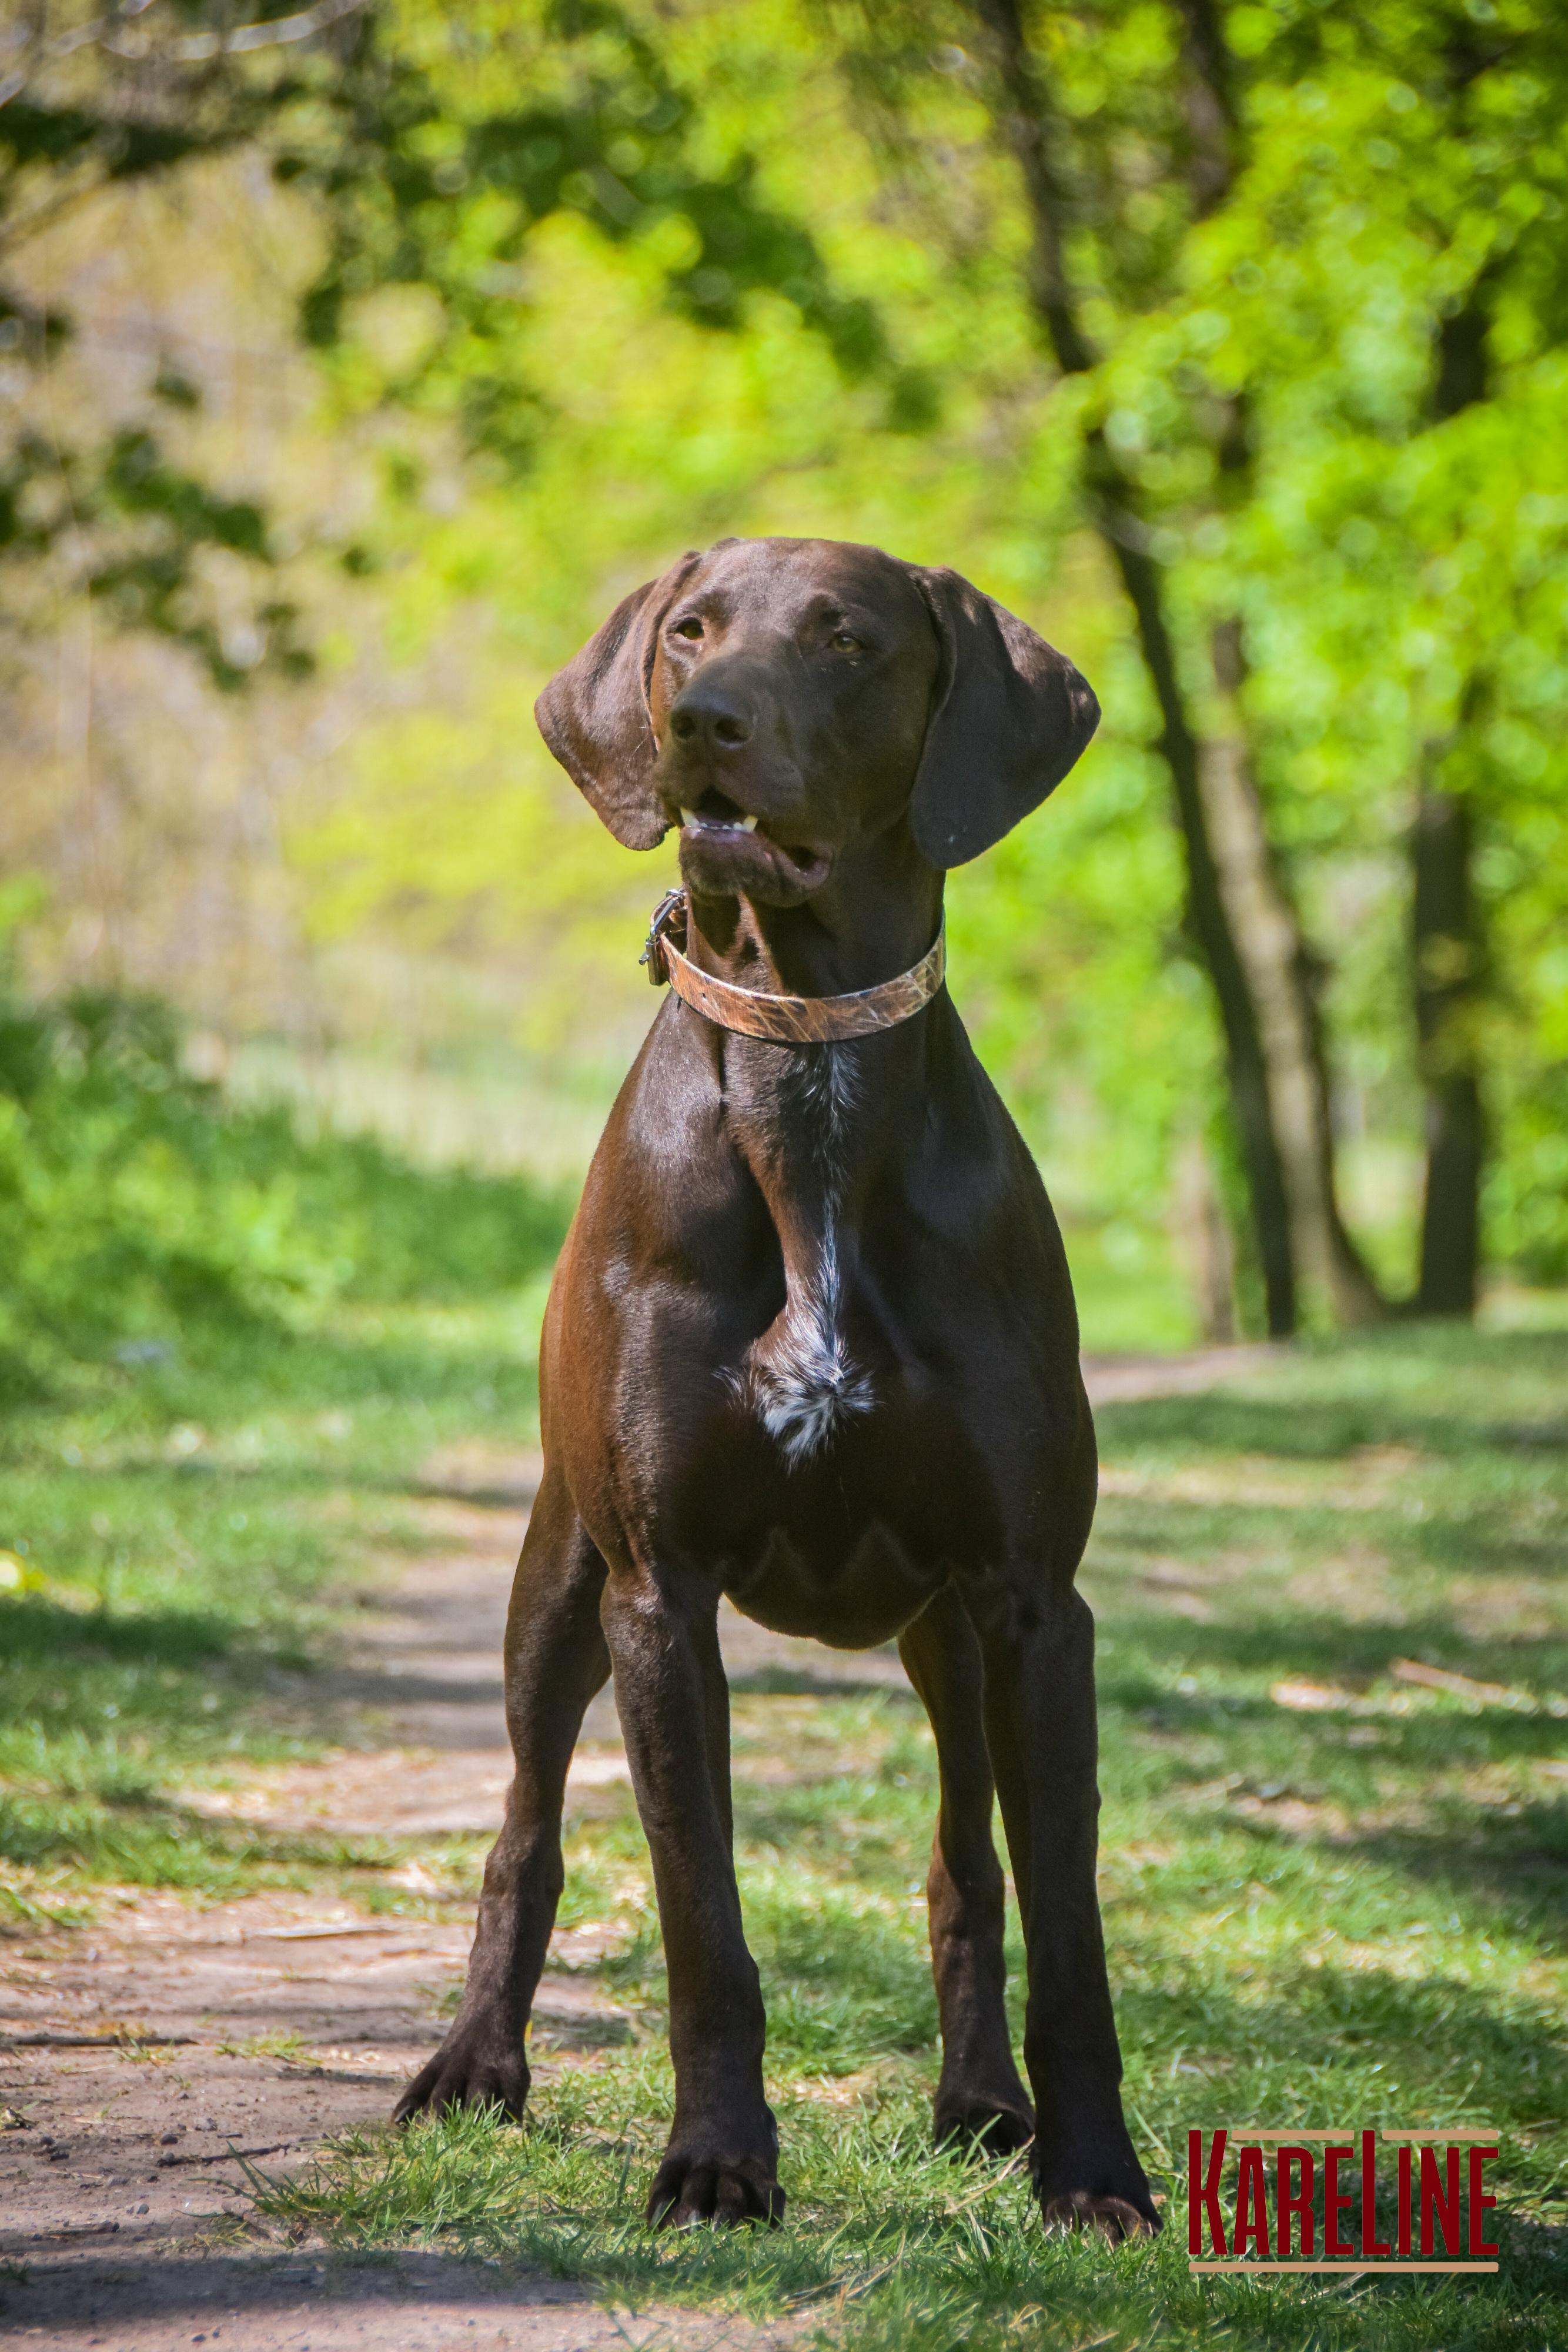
x: 666, y: 1158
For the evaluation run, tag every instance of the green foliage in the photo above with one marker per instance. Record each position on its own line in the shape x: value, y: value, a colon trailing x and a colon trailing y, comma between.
x: 434, y: 159
x: 136, y: 1209
x: 1527, y: 1194
x: 1383, y: 293
x: 141, y: 525
x: 113, y: 515
x: 43, y: 135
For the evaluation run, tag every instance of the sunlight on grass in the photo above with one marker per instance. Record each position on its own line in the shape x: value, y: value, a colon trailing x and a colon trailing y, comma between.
x: 187, y: 1529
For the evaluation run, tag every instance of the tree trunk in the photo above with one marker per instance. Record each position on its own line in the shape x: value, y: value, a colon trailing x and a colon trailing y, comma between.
x: 1200, y: 1237
x: 1283, y: 976
x: 1448, y: 976
x: 1024, y: 122
x: 1208, y: 918
x: 1282, y: 970
x: 1445, y: 938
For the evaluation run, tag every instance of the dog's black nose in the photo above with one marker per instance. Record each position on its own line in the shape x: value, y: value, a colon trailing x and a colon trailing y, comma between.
x: 711, y: 716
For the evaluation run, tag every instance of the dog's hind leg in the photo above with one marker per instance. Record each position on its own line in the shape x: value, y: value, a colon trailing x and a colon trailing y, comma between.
x: 1037, y: 1641
x: 980, y: 2099
x: 556, y: 1660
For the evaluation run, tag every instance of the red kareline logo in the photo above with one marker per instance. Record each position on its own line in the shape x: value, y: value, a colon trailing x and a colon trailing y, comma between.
x: 1432, y: 2201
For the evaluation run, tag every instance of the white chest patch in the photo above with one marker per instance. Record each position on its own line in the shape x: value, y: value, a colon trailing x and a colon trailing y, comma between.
x: 800, y: 1378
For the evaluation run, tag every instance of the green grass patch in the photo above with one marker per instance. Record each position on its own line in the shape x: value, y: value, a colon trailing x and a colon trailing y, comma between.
x: 227, y: 1347
x: 177, y: 1541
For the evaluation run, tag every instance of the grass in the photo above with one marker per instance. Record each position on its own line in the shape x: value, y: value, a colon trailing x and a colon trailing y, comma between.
x: 177, y: 1538
x: 226, y: 1346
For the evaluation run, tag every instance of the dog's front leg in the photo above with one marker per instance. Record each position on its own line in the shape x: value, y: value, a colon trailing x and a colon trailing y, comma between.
x: 555, y: 1662
x: 1038, y: 1646
x: 723, y: 2154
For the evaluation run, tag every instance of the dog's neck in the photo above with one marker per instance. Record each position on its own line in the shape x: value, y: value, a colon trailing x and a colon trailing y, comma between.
x: 875, y: 917
x: 815, y: 1122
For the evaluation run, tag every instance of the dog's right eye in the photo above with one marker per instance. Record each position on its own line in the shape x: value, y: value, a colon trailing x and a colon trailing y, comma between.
x: 690, y: 627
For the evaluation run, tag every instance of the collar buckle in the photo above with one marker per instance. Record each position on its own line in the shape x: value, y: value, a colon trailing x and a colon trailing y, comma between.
x: 672, y: 904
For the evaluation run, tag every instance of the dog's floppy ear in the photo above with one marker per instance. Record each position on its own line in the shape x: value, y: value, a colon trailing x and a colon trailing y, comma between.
x: 593, y: 714
x: 1009, y: 715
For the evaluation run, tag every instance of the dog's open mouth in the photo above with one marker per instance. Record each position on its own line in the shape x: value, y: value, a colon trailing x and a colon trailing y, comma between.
x: 714, y: 810
x: 725, y: 853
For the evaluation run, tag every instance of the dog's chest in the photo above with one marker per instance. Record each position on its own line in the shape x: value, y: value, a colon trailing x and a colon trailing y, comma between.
x: 854, y: 1594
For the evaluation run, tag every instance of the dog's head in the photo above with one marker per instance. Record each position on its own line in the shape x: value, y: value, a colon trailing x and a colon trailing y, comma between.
x: 780, y: 699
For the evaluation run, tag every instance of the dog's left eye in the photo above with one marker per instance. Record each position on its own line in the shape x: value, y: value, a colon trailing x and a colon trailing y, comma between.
x: 845, y: 641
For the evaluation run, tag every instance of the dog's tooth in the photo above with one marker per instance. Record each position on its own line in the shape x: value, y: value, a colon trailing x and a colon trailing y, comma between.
x: 718, y: 824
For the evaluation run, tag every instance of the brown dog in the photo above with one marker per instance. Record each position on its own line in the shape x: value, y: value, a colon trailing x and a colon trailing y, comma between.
x: 812, y: 1344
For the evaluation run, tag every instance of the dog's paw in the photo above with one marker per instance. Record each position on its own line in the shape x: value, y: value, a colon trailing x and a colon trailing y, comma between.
x: 688, y: 2189
x: 1113, y: 2218
x: 1096, y: 2184
x: 469, y: 2070
x: 975, y: 2125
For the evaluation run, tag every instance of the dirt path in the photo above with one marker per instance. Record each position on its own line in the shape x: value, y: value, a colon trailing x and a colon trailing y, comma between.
x: 144, y: 2059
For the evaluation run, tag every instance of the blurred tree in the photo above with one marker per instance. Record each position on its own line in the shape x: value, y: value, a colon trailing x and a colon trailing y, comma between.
x: 421, y: 184
x: 89, y: 102
x: 1525, y: 260
x: 1286, y: 971
x: 1405, y: 235
x: 1116, y: 167
x: 1030, y: 120
x: 436, y: 152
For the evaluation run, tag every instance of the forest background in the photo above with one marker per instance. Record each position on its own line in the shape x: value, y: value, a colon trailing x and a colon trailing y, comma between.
x: 354, y: 360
